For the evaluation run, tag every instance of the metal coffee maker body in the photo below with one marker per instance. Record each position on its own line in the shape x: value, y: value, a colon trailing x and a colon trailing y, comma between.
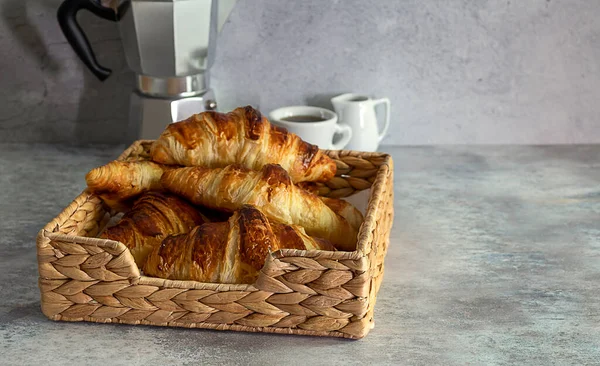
x: 170, y: 46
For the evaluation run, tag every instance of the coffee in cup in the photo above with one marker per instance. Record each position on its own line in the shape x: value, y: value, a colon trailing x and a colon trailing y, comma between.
x: 314, y: 125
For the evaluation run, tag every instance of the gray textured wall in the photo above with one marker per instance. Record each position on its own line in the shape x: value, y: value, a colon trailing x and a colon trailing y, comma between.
x: 457, y: 71
x: 45, y: 94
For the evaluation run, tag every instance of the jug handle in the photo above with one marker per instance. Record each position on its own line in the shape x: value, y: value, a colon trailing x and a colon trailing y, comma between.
x: 386, y: 125
x: 67, y: 19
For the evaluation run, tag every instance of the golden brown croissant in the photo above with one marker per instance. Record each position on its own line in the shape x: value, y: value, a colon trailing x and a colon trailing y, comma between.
x: 270, y: 189
x: 340, y: 207
x: 227, y: 252
x: 244, y: 137
x: 119, y: 181
x: 311, y: 187
x: 154, y: 216
x: 345, y: 209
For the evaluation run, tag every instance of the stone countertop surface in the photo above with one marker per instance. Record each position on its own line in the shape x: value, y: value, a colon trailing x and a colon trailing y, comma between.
x: 494, y: 259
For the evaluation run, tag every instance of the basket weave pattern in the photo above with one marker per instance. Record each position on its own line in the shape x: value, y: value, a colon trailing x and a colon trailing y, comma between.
x: 83, y: 278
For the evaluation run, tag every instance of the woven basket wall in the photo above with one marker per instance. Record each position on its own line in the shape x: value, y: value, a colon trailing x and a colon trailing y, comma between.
x: 83, y: 278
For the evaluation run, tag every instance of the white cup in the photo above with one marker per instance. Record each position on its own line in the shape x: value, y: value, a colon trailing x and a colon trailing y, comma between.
x: 318, y: 133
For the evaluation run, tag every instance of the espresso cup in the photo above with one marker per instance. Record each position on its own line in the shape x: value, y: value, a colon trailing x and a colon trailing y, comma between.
x: 314, y: 125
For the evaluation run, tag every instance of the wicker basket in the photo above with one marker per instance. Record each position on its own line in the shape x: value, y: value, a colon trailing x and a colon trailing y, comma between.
x: 83, y: 278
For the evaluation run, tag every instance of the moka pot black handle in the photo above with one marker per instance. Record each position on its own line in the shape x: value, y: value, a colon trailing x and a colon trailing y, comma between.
x: 67, y: 19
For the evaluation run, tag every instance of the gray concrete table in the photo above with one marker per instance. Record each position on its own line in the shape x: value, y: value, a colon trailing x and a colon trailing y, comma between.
x: 494, y: 258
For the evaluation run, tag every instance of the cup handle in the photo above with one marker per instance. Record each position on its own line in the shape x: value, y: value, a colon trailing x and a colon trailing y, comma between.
x: 385, y: 101
x: 346, y: 132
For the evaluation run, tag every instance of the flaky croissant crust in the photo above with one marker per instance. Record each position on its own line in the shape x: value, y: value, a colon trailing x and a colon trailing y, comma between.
x: 153, y: 217
x: 270, y: 189
x: 245, y: 137
x: 119, y: 182
x: 228, y: 252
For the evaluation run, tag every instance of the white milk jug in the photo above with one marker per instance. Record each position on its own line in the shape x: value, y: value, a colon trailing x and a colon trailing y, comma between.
x: 358, y: 111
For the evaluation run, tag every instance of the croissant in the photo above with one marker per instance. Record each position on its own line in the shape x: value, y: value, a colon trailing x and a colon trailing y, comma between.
x: 227, y: 252
x: 270, y: 189
x: 340, y: 207
x: 311, y: 187
x: 153, y: 217
x: 244, y: 137
x: 345, y: 209
x: 119, y: 181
